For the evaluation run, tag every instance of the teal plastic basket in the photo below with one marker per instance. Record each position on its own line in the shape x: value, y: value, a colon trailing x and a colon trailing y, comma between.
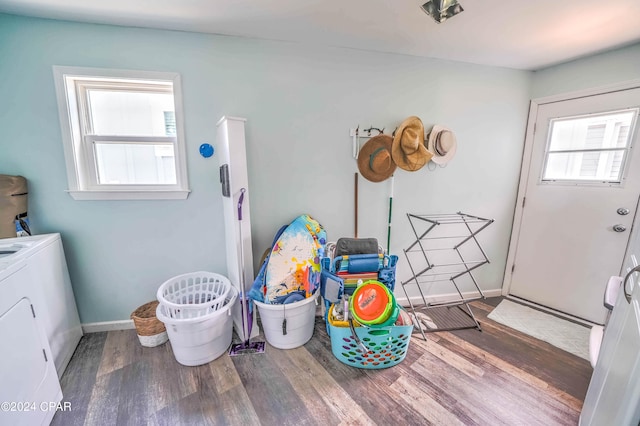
x: 387, y: 346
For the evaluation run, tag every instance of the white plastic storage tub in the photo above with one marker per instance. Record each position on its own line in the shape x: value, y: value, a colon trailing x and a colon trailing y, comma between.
x: 300, y: 322
x: 196, y: 311
x: 197, y: 341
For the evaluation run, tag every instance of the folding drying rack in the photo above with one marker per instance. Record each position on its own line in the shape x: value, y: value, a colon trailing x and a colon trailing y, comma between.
x: 445, y: 250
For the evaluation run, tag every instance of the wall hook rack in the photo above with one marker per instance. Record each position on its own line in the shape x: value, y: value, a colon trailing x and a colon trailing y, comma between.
x: 357, y: 133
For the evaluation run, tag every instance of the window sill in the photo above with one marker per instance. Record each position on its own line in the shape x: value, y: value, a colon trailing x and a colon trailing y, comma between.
x: 129, y: 195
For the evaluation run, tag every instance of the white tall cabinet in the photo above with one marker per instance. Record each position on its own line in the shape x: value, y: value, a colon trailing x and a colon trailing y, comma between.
x: 232, y: 156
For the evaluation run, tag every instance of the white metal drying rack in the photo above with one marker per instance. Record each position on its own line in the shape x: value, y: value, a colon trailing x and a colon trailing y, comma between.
x: 440, y: 253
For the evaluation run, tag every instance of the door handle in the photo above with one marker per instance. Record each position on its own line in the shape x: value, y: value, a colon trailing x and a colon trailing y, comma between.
x: 627, y: 295
x: 623, y: 212
x: 619, y: 228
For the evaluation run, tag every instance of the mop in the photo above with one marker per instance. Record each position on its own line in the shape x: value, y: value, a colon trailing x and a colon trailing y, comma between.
x: 247, y: 347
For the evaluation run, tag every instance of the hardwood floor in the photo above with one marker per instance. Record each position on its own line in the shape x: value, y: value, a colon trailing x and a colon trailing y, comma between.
x: 495, y: 377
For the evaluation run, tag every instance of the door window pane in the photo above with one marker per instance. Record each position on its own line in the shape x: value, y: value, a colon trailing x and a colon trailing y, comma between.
x: 588, y: 148
x: 584, y: 166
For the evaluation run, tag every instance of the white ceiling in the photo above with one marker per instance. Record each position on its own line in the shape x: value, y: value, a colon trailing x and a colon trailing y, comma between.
x: 521, y: 34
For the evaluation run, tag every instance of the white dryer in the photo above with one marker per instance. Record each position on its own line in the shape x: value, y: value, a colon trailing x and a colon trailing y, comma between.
x: 29, y: 382
x: 53, y: 295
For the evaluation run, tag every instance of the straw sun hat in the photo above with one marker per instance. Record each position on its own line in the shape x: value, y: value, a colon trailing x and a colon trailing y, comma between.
x: 374, y: 159
x: 408, y: 150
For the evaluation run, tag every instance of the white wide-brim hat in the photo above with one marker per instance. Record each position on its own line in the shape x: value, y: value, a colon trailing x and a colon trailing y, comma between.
x: 442, y: 144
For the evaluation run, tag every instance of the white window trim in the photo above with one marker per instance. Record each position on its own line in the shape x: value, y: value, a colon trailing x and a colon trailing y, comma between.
x: 91, y: 181
x: 82, y: 189
x: 593, y: 182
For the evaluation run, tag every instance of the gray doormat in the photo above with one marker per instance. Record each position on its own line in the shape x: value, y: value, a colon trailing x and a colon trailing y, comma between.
x: 443, y: 318
x: 566, y: 335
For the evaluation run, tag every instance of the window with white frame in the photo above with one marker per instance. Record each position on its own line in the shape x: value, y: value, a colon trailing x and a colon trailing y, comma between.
x: 122, y: 133
x: 589, y: 149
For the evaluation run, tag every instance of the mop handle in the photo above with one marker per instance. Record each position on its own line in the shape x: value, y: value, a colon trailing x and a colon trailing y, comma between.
x: 245, y: 307
x: 240, y: 201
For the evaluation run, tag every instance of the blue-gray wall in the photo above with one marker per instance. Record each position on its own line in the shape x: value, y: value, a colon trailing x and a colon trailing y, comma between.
x: 300, y: 102
x: 607, y: 68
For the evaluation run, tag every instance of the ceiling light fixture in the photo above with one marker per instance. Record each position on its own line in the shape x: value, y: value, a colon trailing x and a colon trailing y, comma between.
x: 441, y: 10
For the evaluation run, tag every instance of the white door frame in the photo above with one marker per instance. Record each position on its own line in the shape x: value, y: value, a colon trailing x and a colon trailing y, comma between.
x: 526, y: 161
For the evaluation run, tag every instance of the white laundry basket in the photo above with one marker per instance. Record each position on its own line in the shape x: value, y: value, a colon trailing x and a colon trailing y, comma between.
x: 196, y: 311
x: 300, y: 322
x: 193, y: 295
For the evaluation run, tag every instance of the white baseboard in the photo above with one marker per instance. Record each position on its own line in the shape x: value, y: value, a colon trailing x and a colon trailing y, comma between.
x: 96, y: 327
x: 442, y: 298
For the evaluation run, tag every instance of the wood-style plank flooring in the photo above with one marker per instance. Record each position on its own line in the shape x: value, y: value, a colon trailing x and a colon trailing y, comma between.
x: 495, y: 377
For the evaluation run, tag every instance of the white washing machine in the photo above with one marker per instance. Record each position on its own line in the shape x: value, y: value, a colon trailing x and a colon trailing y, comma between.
x: 53, y: 296
x: 29, y: 381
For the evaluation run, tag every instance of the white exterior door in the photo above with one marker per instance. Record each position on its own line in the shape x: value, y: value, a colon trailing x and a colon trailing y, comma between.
x: 579, y: 191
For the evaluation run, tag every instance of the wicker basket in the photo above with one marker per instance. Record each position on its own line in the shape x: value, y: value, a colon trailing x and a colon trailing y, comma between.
x: 151, y: 330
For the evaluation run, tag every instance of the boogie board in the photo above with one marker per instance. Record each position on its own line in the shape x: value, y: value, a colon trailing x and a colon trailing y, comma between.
x: 293, y: 270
